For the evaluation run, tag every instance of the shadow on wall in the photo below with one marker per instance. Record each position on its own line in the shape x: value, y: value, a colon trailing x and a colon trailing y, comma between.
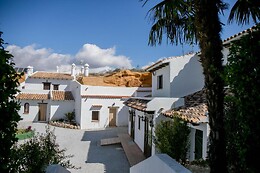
x: 190, y: 79
x: 107, y: 159
x: 122, y: 116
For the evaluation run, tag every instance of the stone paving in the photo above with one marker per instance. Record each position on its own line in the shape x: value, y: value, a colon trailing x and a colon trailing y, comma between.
x: 86, y: 148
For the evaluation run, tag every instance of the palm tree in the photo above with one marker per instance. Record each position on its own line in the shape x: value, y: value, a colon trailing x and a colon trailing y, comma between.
x: 186, y: 21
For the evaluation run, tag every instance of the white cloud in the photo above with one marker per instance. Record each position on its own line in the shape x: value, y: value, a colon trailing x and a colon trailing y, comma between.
x: 97, y: 57
x: 45, y: 59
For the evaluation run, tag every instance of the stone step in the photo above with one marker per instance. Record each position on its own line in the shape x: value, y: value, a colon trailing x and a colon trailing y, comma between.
x: 110, y: 141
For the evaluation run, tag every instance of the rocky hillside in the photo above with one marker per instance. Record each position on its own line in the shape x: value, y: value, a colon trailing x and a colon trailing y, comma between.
x: 129, y: 79
x: 125, y: 78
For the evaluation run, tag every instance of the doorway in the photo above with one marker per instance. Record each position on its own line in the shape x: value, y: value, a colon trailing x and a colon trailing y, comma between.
x: 147, y: 138
x: 112, y: 116
x: 198, y: 144
x: 42, y: 111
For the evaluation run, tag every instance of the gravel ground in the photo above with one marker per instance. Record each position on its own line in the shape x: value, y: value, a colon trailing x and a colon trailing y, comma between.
x: 85, y: 146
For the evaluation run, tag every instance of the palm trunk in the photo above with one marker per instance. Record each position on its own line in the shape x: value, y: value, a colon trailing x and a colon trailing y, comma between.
x: 208, y: 28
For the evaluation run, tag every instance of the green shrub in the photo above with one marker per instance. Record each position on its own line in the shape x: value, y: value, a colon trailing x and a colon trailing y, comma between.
x: 70, y: 116
x: 242, y: 106
x: 172, y: 138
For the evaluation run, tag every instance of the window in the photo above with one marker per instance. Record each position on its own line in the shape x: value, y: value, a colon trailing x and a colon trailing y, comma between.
x: 46, y: 85
x: 160, y: 82
x: 26, y: 108
x: 95, y: 115
x: 55, y: 86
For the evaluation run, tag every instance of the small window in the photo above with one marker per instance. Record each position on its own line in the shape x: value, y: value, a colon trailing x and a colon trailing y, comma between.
x: 95, y: 115
x: 46, y: 85
x: 55, y: 86
x: 160, y: 82
x: 26, y: 108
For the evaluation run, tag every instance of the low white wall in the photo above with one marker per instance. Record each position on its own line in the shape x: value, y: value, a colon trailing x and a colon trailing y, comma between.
x: 159, y: 163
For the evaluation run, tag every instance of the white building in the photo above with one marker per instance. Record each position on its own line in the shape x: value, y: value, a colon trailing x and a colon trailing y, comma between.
x: 47, y: 96
x: 172, y: 79
x: 180, y: 79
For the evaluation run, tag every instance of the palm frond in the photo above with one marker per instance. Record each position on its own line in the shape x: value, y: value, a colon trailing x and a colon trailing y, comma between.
x: 175, y: 19
x: 243, y: 10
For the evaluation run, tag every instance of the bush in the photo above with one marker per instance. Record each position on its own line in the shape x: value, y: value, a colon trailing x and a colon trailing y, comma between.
x: 172, y: 138
x: 37, y: 153
x: 70, y: 116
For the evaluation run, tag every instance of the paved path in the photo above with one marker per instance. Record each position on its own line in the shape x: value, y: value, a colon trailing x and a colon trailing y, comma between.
x: 85, y: 146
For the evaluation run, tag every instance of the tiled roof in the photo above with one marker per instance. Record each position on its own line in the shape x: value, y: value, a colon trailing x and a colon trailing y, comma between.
x: 62, y: 95
x: 104, y: 96
x: 49, y: 75
x: 139, y: 104
x: 164, y: 62
x: 29, y: 96
x: 195, y: 108
x: 238, y: 35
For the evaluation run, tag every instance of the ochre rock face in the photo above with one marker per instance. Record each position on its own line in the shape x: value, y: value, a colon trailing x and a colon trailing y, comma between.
x: 129, y: 79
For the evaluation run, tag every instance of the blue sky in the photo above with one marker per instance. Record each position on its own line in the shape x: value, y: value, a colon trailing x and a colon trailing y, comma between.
x: 105, y: 34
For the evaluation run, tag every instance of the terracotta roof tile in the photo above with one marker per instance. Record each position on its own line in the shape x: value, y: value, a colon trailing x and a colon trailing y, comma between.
x: 194, y: 110
x: 62, y: 95
x: 139, y: 104
x: 233, y: 37
x: 49, y: 75
x: 29, y: 96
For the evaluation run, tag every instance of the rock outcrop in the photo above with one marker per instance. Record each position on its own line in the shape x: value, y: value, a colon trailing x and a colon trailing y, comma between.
x: 123, y: 78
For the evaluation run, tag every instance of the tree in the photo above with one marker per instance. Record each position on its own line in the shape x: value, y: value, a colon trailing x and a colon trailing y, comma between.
x: 172, y: 138
x: 242, y: 104
x: 8, y: 106
x: 197, y: 20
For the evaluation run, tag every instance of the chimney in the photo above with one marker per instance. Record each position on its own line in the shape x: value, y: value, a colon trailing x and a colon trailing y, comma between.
x: 86, y: 69
x: 73, y: 69
x: 82, y: 70
x: 58, y: 69
x: 29, y: 70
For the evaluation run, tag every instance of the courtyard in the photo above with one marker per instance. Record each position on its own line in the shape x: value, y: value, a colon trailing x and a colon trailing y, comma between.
x: 85, y: 147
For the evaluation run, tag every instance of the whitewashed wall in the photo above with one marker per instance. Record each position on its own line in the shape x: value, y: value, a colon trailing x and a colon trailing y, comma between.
x: 37, y: 84
x: 186, y: 76
x: 139, y: 133
x: 86, y: 105
x: 59, y: 108
x: 87, y: 108
x: 33, y: 110
x: 165, y: 91
x: 75, y: 88
x: 103, y: 90
x: 183, y: 76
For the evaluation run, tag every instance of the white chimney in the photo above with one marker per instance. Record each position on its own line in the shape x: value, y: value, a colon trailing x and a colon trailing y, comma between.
x: 73, y: 69
x: 29, y: 70
x: 86, y: 69
x: 58, y: 69
x: 82, y: 70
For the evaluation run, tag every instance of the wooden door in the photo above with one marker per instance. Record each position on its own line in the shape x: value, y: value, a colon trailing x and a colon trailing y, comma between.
x: 42, y: 111
x: 112, y: 117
